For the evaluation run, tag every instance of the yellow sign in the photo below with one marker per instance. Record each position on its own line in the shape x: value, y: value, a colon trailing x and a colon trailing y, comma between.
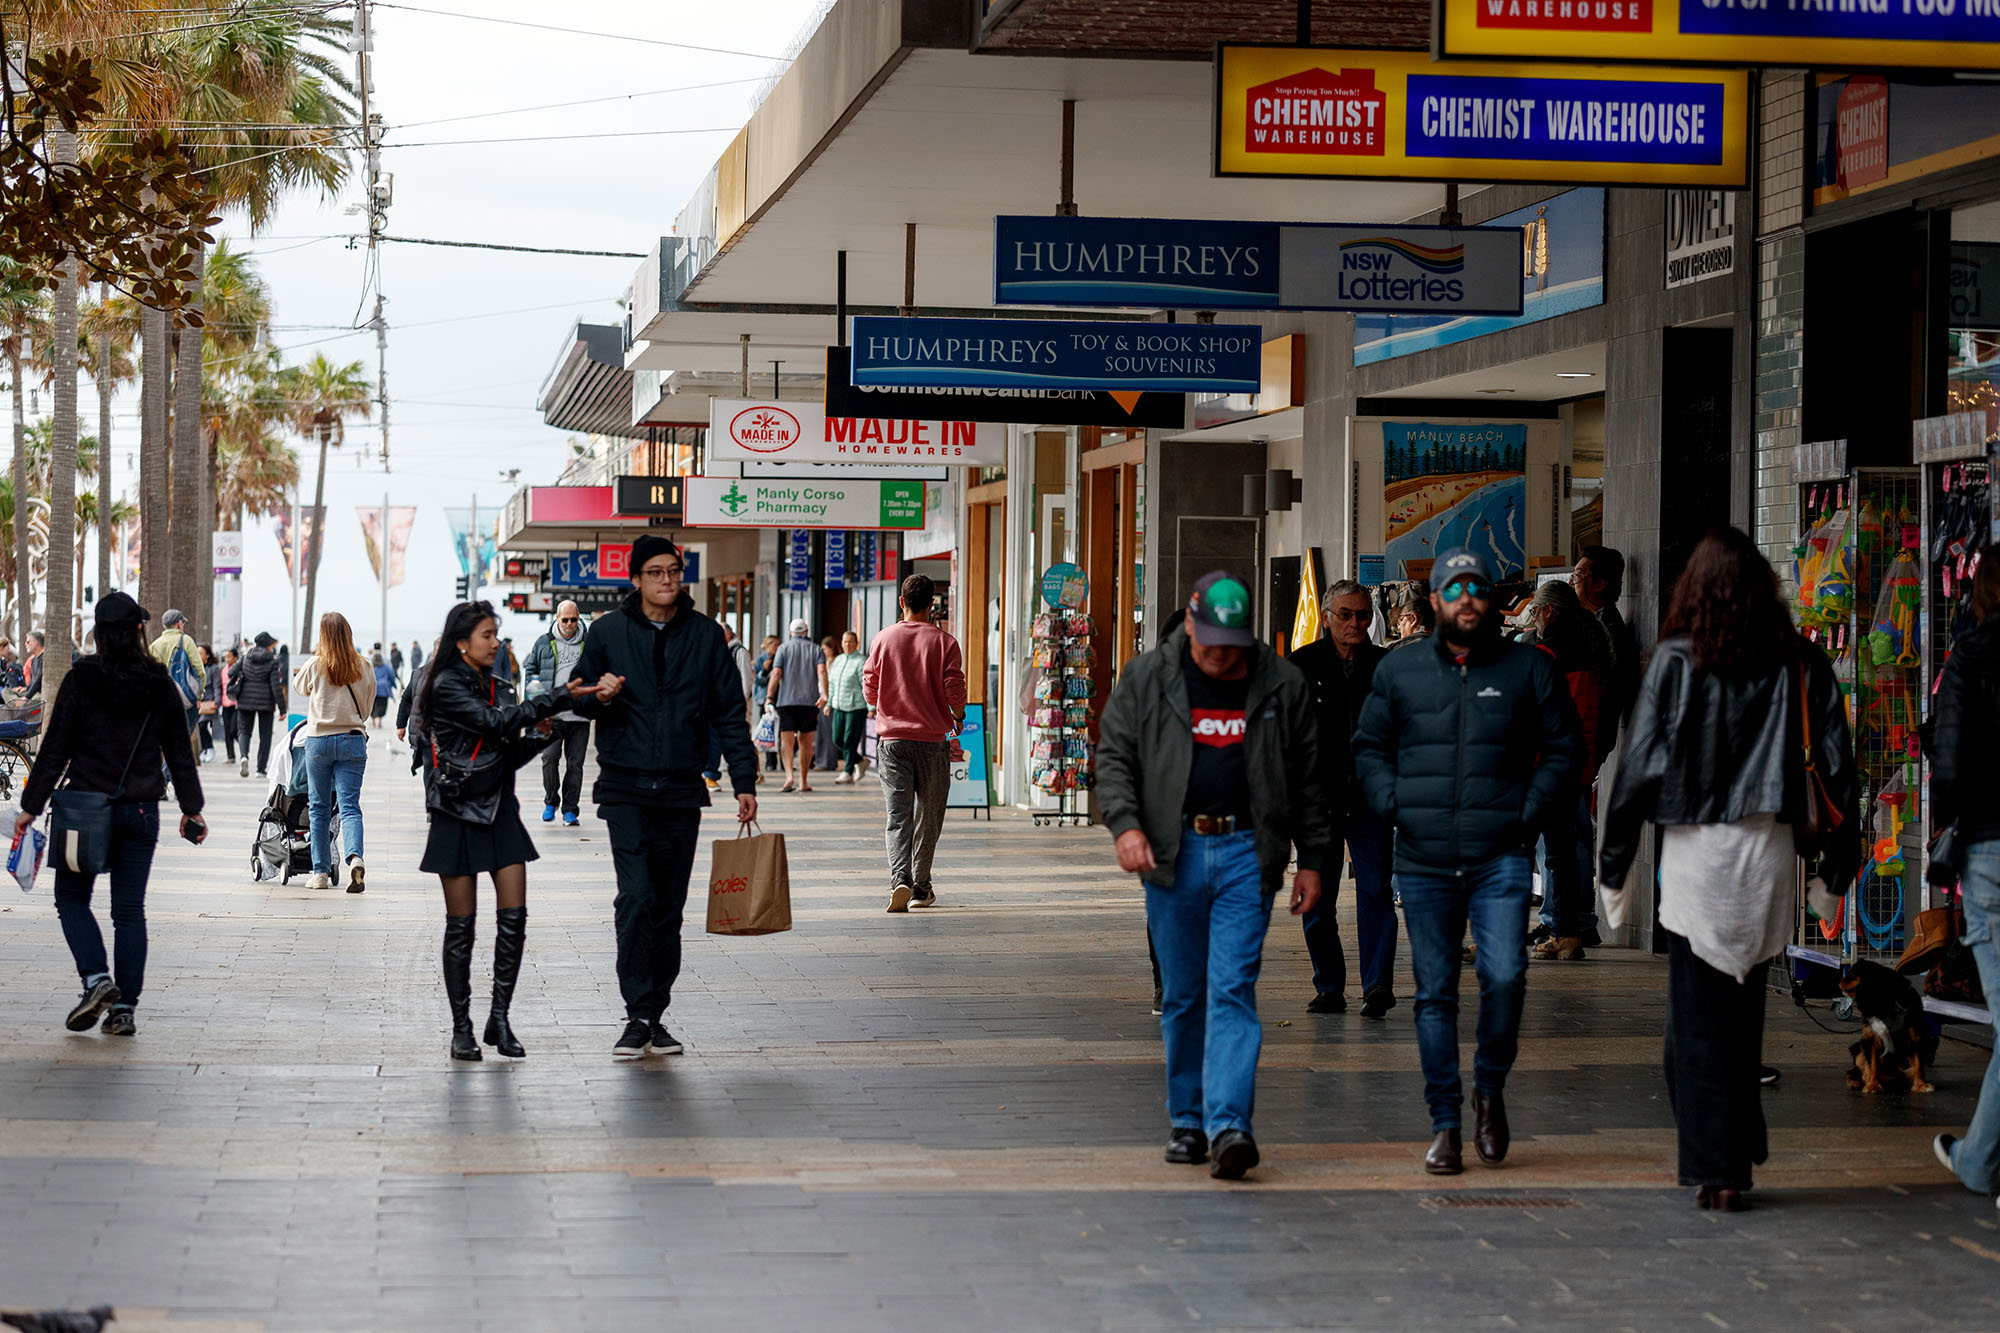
x: 1305, y: 620
x: 1919, y: 34
x: 1399, y: 115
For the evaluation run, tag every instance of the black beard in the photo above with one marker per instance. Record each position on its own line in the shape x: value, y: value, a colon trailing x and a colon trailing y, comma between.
x: 1478, y: 635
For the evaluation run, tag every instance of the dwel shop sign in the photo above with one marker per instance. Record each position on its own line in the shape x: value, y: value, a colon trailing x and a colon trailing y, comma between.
x: 741, y: 430
x: 1070, y: 354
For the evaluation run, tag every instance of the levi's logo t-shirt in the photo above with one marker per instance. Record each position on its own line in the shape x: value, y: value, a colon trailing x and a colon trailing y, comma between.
x: 1217, y: 778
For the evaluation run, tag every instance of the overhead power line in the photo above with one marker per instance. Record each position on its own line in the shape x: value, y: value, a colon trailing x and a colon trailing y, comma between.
x: 587, y: 101
x: 522, y: 249
x: 579, y: 32
x: 552, y: 138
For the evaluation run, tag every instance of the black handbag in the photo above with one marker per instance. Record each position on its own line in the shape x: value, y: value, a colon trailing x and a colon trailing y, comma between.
x: 80, y: 821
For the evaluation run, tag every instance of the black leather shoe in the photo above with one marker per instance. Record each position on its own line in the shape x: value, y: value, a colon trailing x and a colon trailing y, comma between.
x: 1187, y: 1147
x: 1327, y: 1002
x: 1446, y: 1155
x: 1235, y: 1153
x: 1489, y: 1128
x: 1378, y: 1002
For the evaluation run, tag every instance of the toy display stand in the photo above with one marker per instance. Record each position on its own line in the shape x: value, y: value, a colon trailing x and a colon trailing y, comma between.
x: 1062, y: 760
x: 1860, y: 578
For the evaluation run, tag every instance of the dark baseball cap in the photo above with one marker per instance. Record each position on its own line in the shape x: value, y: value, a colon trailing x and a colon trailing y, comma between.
x: 1459, y: 563
x: 1220, y: 604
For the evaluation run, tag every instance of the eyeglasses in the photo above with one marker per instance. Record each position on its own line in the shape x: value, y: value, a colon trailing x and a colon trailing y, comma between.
x: 1475, y: 588
x: 1351, y: 615
x: 567, y: 620
x: 670, y: 573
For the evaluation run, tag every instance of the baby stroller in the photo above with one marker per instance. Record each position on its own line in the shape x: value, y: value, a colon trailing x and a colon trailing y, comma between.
x: 284, y: 843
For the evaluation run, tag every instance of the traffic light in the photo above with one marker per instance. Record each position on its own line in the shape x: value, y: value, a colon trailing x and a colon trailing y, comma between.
x: 463, y: 587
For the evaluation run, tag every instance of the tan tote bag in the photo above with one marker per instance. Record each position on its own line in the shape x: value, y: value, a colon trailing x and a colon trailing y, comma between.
x: 749, y: 885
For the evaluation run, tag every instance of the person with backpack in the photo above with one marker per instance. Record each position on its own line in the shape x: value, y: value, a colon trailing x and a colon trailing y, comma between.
x: 260, y: 690
x: 177, y: 651
x: 115, y: 731
x: 339, y: 691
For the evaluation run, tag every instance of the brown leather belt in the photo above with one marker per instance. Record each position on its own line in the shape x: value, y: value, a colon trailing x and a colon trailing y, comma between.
x: 1209, y: 824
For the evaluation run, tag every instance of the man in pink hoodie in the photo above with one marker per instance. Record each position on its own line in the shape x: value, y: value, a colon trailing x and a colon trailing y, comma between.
x: 914, y: 683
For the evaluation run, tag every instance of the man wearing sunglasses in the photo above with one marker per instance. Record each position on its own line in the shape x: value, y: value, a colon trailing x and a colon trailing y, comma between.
x: 549, y: 663
x: 1467, y: 746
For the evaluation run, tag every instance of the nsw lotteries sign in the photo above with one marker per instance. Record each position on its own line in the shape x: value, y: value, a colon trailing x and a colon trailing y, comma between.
x: 1196, y: 265
x: 1312, y: 111
x: 745, y: 502
x: 1927, y: 34
x: 743, y: 431
x: 1057, y: 354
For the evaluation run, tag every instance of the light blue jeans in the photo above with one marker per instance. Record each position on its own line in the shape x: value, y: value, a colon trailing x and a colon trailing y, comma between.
x: 1208, y: 930
x: 333, y: 773
x: 1976, y: 1157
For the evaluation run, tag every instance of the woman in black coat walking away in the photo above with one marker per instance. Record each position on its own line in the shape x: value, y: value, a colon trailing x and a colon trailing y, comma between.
x: 1713, y: 758
x: 117, y: 719
x: 473, y: 728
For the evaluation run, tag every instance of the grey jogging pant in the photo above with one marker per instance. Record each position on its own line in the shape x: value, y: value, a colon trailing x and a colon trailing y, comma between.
x: 916, y: 779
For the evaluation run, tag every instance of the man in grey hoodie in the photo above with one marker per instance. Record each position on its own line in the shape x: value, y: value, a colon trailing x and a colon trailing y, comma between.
x: 549, y: 663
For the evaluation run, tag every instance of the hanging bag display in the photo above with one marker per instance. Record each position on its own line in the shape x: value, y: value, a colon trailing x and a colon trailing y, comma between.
x: 1820, y: 819
x: 80, y: 821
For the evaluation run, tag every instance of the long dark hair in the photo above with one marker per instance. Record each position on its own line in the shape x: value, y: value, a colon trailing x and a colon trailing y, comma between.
x: 121, y: 650
x: 1727, y: 603
x: 463, y: 620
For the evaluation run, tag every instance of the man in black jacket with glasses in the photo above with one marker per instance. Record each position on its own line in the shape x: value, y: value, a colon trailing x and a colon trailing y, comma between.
x: 674, y: 683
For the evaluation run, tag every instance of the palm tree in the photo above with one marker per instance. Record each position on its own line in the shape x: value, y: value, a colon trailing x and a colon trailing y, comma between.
x: 322, y: 397
x: 236, y: 322
x: 62, y: 457
x: 109, y: 328
x: 23, y: 304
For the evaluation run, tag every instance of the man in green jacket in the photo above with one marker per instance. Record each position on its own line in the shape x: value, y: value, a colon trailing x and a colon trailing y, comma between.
x: 1208, y: 775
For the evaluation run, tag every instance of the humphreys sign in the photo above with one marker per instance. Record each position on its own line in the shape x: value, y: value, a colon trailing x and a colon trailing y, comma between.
x: 742, y: 502
x: 1192, y: 265
x: 740, y: 430
x: 1057, y: 354
x: 1928, y: 34
x: 1311, y: 111
x: 1023, y: 406
x: 1701, y: 235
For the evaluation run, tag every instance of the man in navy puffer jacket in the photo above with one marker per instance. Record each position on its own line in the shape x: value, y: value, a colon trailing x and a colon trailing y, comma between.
x: 1466, y: 746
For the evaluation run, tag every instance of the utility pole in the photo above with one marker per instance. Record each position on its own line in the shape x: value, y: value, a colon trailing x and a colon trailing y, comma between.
x: 381, y: 327
x: 382, y: 560
x: 381, y: 187
x: 472, y: 560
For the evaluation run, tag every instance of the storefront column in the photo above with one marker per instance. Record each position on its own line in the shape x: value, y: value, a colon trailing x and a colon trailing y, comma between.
x: 1783, y: 174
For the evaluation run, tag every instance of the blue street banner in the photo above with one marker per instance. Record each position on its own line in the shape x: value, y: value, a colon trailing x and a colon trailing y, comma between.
x: 1058, y: 354
x: 1873, y: 34
x: 1175, y: 264
x: 799, y: 566
x: 836, y: 559
x: 968, y: 773
x: 1399, y: 115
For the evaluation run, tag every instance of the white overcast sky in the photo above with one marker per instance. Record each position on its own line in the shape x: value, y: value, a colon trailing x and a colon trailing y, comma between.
x: 462, y: 392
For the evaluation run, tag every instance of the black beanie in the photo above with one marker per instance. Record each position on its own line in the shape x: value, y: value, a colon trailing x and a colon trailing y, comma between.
x: 646, y: 547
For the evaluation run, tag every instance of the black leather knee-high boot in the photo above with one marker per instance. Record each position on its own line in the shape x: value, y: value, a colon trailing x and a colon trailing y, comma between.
x: 509, y: 939
x: 458, y: 984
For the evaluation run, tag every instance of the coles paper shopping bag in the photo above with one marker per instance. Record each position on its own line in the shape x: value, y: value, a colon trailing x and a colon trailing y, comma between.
x: 25, y: 856
x: 749, y: 885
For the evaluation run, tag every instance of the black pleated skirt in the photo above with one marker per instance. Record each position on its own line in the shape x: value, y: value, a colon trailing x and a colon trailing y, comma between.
x: 456, y: 847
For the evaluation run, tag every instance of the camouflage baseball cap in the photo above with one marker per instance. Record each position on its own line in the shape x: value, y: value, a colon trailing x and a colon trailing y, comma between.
x: 1220, y: 604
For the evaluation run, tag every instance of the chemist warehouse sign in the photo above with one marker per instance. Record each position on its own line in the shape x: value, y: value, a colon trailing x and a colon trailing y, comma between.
x: 1315, y: 111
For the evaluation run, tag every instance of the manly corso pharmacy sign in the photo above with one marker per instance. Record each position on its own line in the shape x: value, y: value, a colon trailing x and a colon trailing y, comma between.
x: 744, y: 431
x: 1065, y: 354
x: 1311, y: 111
x: 1198, y: 265
x: 746, y: 502
x: 1920, y: 34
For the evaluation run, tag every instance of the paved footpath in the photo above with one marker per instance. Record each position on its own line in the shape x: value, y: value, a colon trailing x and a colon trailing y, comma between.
x: 945, y: 1120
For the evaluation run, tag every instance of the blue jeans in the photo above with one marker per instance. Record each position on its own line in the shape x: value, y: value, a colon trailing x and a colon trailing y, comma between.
x: 333, y: 773
x: 1493, y: 897
x: 135, y: 831
x: 1374, y: 915
x: 1564, y: 857
x: 1209, y: 932
x: 1976, y: 1157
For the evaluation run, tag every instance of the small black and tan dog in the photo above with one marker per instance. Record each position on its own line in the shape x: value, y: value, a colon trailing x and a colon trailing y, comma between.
x: 1896, y: 1038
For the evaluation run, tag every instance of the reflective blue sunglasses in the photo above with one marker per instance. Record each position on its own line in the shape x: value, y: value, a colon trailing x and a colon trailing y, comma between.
x: 1475, y: 588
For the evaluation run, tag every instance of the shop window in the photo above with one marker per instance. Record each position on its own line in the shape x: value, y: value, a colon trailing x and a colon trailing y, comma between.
x: 1973, y: 337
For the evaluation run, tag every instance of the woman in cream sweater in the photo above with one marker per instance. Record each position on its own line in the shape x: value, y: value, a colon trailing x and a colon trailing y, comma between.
x: 338, y: 690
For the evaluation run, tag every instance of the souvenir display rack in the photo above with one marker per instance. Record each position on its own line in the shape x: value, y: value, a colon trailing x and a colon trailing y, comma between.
x: 1062, y: 760
x: 1859, y: 595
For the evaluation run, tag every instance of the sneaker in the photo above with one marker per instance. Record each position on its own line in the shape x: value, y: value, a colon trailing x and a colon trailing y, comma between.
x: 924, y: 897
x: 899, y: 898
x: 1768, y: 1075
x: 208, y: 756
x: 860, y: 768
x: 356, y: 873
x: 1159, y: 1002
x: 1378, y: 1002
x: 118, y: 1022
x: 635, y: 1041
x: 1941, y: 1145
x: 320, y: 880
x: 570, y: 820
x: 1538, y: 934
x: 662, y: 1042
x: 714, y: 784
x: 243, y: 769
x: 842, y: 779
x: 98, y: 996
x: 1327, y: 1002
x: 549, y: 813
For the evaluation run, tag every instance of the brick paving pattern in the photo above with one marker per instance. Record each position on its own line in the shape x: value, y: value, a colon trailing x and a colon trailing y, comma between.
x: 944, y: 1120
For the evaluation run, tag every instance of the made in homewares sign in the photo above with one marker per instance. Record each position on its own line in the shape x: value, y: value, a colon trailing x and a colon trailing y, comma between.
x: 744, y: 431
x: 1926, y: 34
x: 1045, y: 353
x: 1197, y: 265
x: 744, y: 502
x: 1313, y: 111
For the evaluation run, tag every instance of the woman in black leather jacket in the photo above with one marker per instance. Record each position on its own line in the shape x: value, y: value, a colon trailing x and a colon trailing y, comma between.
x: 474, y: 730
x: 1713, y: 758
x: 1966, y: 738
